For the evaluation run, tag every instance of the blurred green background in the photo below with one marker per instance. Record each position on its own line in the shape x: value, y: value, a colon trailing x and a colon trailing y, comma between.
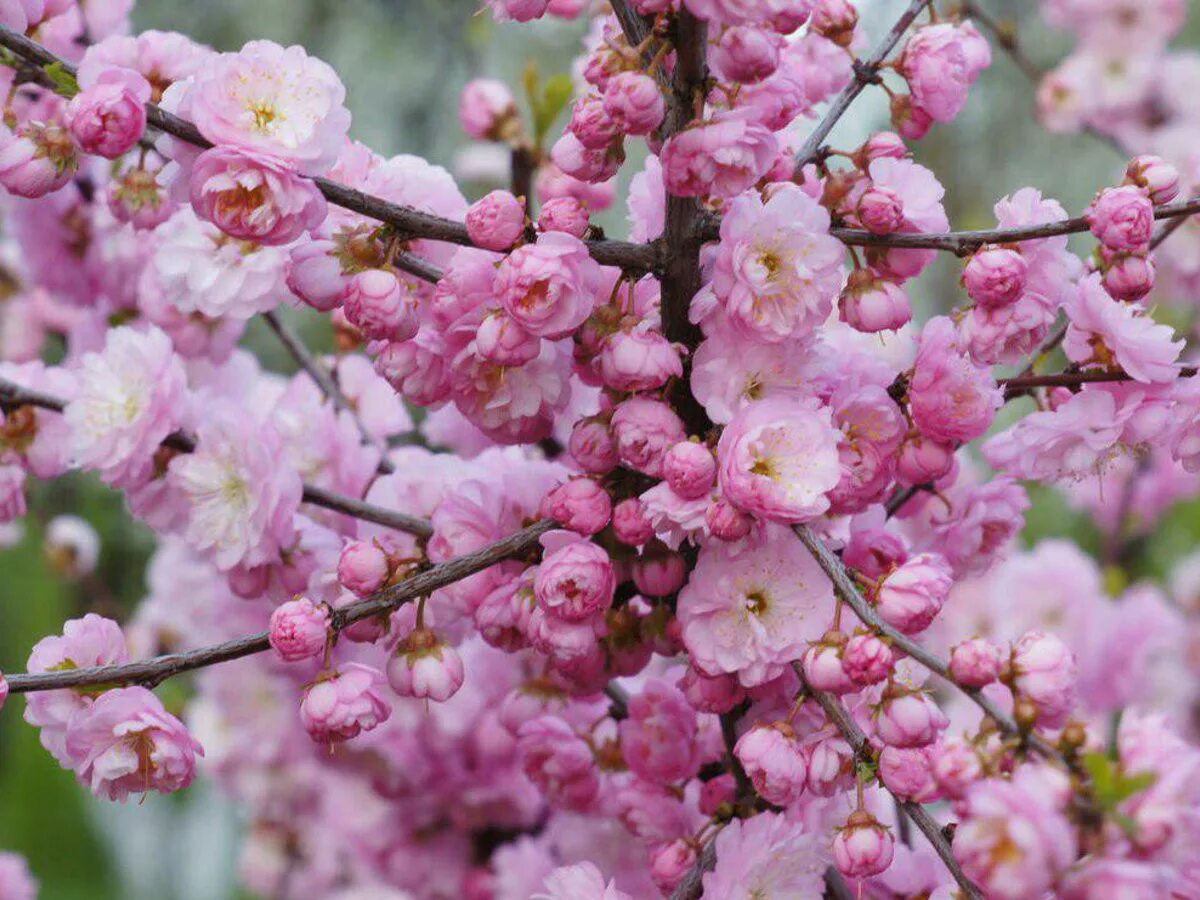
x: 404, y: 63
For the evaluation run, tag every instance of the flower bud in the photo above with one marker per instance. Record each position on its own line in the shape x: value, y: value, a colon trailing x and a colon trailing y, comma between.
x: 995, y: 277
x: 867, y: 659
x: 822, y: 663
x: 299, y: 629
x: 835, y: 20
x: 108, y: 117
x: 659, y: 574
x: 363, y: 567
x: 376, y: 304
x: 1045, y: 673
x: 690, y: 469
x: 863, y: 847
x: 746, y: 54
x: 501, y: 340
x: 424, y: 667
x: 487, y: 110
x: 773, y: 761
x: 913, y: 594
x: 638, y: 360
x: 593, y: 446
x: 496, y: 221
x: 881, y: 145
x: 712, y: 694
x: 956, y: 766
x: 829, y: 764
x: 630, y: 524
x: 634, y: 103
x: 314, y: 274
x: 881, y: 211
x: 726, y: 522
x: 581, y: 504
x: 975, y: 663
x: 908, y: 773
x: 575, y: 581
x: 871, y: 305
x: 1129, y: 277
x: 1157, y: 177
x: 923, y: 461
x: 908, y: 719
x: 566, y: 214
x: 343, y: 704
x: 1121, y: 218
x: 670, y: 863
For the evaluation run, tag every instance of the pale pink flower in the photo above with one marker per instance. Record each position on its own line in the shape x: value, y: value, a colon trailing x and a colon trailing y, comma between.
x: 341, y: 705
x: 777, y: 270
x: 575, y: 582
x: 908, y: 719
x: 379, y: 305
x: 658, y: 739
x: 751, y: 610
x: 921, y: 195
x: 645, y: 430
x: 558, y: 761
x: 1105, y: 332
x: 634, y: 102
x: 936, y: 66
x: 951, y: 398
x: 72, y: 546
x: 271, y: 100
x: 1045, y: 671
x: 772, y: 759
x: 582, y: 881
x: 913, y: 594
x: 721, y: 157
x: 131, y: 397
x: 975, y: 663
x: 690, y: 469
x: 425, y: 668
x: 36, y: 159
x: 638, y: 359
x: 127, y: 743
x: 16, y: 882
x: 581, y: 504
x: 253, y: 197
x: 549, y: 287
x: 779, y: 460
x: 1121, y: 218
x: 767, y: 856
x: 1154, y: 175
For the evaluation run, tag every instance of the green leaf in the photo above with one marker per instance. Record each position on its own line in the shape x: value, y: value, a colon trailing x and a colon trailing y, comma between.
x: 555, y: 96
x: 866, y: 771
x: 64, y: 81
x: 1111, y: 785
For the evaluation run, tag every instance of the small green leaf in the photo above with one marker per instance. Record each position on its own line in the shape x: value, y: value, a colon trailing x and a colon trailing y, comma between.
x: 866, y: 771
x: 1111, y: 785
x: 64, y: 81
x: 555, y: 96
x: 532, y: 79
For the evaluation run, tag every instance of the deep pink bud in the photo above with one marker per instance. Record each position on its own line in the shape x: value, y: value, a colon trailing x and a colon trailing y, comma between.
x: 501, y: 340
x: 908, y: 773
x: 722, y: 789
x: 717, y: 694
x: 863, y: 847
x: 363, y: 567
x: 659, y: 574
x: 912, y: 122
x: 108, y: 118
x: 774, y: 762
x: 592, y: 124
x: 746, y: 54
x: 908, y: 719
x: 634, y: 103
x: 822, y: 662
x: 726, y: 522
x: 1157, y: 177
x: 670, y: 863
x: 867, y: 659
x: 496, y: 220
x: 874, y: 551
x: 581, y: 504
x: 690, y: 469
x: 1122, y: 218
x: 377, y: 304
x: 630, y: 523
x: 872, y: 305
x: 593, y: 446
x: 314, y: 274
x: 299, y: 629
x: 923, y: 461
x: 566, y: 214
x: 975, y: 663
x: 881, y: 211
x: 995, y: 277
x: 1129, y: 277
x: 424, y: 667
x: 881, y: 145
x: 913, y: 594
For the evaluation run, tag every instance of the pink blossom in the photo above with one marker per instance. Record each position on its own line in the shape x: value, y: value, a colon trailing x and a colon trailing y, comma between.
x: 1121, y: 218
x: 518, y: 10
x: 777, y: 270
x: 908, y: 719
x: 913, y: 594
x: 582, y: 881
x: 1046, y: 673
x: 581, y: 504
x: 342, y: 704
x: 16, y: 882
x: 558, y: 761
x: 975, y: 663
x: 501, y: 340
x: 549, y: 287
x: 593, y: 446
x: 1157, y: 177
x: 299, y: 629
x: 934, y: 63
x: 363, y: 567
x: 630, y: 524
x: 644, y: 430
x: 253, y: 197
x: 271, y: 100
x: 131, y: 397
x: 867, y: 659
x: 721, y: 157
x: 921, y: 194
x: 956, y: 766
x: 952, y: 399
x: 1129, y: 277
x: 671, y: 864
x: 995, y: 277
x: 634, y: 102
x: 872, y: 305
x: 779, y: 460
x: 862, y: 846
x: 907, y: 772
x: 36, y: 159
x: 565, y: 214
x: 835, y: 20
x: 982, y: 524
x: 591, y: 166
x: 690, y: 469
x: 496, y: 220
x: 126, y: 743
x: 659, y: 574
x: 137, y: 196
x: 486, y: 109
x: 880, y: 210
x: 1104, y: 331
x: 772, y: 758
x: 751, y: 610
x: 425, y: 668
x: 767, y: 854
x: 822, y: 663
x: 378, y: 304
x: 745, y: 53
x: 638, y: 360
x: 575, y: 581
x: 417, y: 368
x: 658, y: 739
x: 726, y: 522
x: 108, y: 117
x: 12, y: 493
x: 830, y: 766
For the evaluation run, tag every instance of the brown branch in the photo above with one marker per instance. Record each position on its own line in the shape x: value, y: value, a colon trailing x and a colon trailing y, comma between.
x: 12, y: 395
x: 1020, y: 385
x: 917, y: 814
x: 411, y: 223
x: 154, y: 671
x: 865, y: 72
x: 414, y: 265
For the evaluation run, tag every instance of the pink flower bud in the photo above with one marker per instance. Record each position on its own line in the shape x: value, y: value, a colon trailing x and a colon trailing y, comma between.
x: 592, y: 124
x: 299, y: 629
x: 975, y: 663
x: 496, y: 221
x: 908, y: 773
x: 923, y: 461
x: 424, y: 667
x: 995, y: 277
x: 417, y: 369
x: 726, y: 522
x: 1157, y: 177
x: 634, y: 102
x: 518, y: 10
x: 1044, y: 671
x: 502, y: 341
x: 1122, y: 218
x: 1129, y: 277
x: 659, y: 574
x: 378, y: 306
x: 558, y: 761
x: 716, y: 694
x: 630, y: 523
x: 908, y: 719
x: 37, y: 160
x: 822, y: 662
x: 108, y: 117
x: 645, y: 429
x: 830, y: 766
x: 638, y: 360
x: 593, y: 446
x: 592, y: 166
x: 956, y: 766
x: 881, y: 211
x: 881, y: 145
x: 670, y: 863
x: 863, y: 847
x: 773, y: 760
x: 566, y: 214
x: 487, y: 110
x: 872, y: 305
x: 363, y: 567
x: 746, y: 54
x: 690, y: 469
x: 874, y: 551
x: 137, y: 197
x: 343, y: 704
x: 835, y: 20
x: 912, y: 122
x: 314, y: 274
x: 581, y: 504
x: 722, y: 789
x: 913, y: 594
x: 867, y: 659
x: 575, y: 581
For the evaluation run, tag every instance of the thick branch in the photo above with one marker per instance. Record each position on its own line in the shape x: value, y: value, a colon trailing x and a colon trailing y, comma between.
x: 865, y: 72
x: 917, y: 814
x: 411, y: 223
x: 13, y: 395
x: 153, y: 671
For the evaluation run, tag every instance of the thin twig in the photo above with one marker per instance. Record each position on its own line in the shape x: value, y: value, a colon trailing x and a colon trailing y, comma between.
x: 154, y: 671
x: 14, y: 395
x: 1022, y: 384
x: 864, y: 73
